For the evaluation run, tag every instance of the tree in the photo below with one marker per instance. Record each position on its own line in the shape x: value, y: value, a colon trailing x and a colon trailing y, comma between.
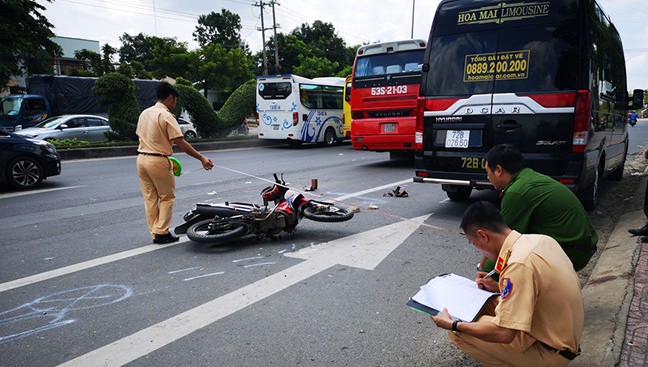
x: 316, y: 45
x: 151, y: 56
x: 91, y: 63
x: 25, y: 44
x: 312, y: 67
x: 220, y: 68
x: 221, y: 29
x: 94, y: 64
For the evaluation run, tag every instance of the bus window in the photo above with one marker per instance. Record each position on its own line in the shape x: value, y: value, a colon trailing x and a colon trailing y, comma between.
x: 320, y: 96
x: 275, y: 90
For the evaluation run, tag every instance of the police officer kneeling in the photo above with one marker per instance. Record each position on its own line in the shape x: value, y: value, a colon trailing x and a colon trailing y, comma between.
x: 538, y: 318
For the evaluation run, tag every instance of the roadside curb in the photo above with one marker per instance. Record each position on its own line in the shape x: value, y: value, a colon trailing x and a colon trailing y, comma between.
x: 608, y: 293
x: 131, y: 150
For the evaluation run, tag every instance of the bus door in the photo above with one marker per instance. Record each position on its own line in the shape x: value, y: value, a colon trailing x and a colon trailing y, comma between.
x: 347, y: 106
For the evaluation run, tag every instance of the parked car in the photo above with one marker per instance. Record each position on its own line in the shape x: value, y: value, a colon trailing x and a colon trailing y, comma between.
x: 25, y: 162
x: 187, y: 129
x: 82, y: 127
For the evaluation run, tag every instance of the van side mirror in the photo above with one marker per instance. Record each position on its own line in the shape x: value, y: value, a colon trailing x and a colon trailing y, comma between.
x: 637, y: 99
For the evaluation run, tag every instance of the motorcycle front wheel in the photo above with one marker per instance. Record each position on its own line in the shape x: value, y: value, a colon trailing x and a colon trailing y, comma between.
x: 327, y: 213
x: 207, y: 231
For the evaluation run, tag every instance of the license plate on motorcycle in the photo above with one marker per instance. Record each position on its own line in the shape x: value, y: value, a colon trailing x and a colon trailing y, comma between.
x: 389, y: 128
x: 457, y: 138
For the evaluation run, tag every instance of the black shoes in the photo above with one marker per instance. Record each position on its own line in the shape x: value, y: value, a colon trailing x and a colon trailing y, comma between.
x: 643, y: 231
x: 162, y: 239
x: 644, y: 239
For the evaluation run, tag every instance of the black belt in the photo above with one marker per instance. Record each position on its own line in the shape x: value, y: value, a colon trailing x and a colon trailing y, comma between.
x: 153, y: 154
x: 565, y: 353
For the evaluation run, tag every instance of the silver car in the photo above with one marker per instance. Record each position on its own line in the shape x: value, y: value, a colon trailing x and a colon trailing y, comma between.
x: 82, y: 127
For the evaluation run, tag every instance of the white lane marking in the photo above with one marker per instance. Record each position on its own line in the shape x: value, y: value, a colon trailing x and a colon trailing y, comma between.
x: 82, y: 266
x: 247, y: 259
x: 204, y: 275
x: 364, y: 250
x: 183, y: 270
x: 34, y: 192
x: 259, y: 264
x: 142, y: 250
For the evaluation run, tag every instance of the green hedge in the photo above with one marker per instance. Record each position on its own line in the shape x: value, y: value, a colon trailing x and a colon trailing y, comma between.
x: 203, y: 116
x: 241, y: 104
x: 118, y: 91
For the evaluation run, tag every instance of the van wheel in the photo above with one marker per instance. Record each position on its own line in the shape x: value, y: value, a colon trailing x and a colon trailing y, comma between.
x: 589, y: 196
x: 462, y: 193
x: 617, y: 174
x: 329, y: 136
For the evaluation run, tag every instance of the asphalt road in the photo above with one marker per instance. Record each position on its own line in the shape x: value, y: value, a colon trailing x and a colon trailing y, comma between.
x: 82, y: 285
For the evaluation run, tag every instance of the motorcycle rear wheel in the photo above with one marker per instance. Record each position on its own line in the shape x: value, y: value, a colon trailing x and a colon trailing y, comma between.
x: 327, y: 213
x: 225, y: 231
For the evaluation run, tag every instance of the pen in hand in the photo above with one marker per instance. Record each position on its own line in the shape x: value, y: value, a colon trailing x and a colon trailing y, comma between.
x: 490, y: 274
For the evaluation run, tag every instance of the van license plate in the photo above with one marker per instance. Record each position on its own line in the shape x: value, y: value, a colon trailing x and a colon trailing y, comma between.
x: 389, y: 128
x: 275, y: 127
x: 457, y: 138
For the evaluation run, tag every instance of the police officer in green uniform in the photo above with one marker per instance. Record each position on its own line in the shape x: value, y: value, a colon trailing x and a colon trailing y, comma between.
x: 536, y: 203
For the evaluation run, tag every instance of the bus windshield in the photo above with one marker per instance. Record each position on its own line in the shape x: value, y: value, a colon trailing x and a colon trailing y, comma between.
x: 279, y: 90
x: 390, y: 63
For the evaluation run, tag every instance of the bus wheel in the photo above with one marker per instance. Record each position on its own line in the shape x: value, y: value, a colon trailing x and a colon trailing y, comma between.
x: 329, y: 136
x: 294, y: 143
x: 459, y: 193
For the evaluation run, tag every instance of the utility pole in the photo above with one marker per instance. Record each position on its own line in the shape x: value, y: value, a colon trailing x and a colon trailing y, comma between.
x: 413, y: 7
x: 276, y: 44
x: 262, y: 29
x: 274, y: 27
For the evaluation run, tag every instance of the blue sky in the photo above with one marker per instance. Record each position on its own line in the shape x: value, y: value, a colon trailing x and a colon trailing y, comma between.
x: 356, y: 21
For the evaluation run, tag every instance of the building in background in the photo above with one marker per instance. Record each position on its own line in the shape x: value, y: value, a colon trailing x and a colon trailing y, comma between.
x: 60, y: 65
x: 67, y: 61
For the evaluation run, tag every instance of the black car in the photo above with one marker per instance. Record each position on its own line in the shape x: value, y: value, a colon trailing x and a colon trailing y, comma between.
x: 25, y: 162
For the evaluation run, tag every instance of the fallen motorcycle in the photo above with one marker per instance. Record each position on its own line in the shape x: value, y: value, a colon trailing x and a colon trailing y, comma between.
x: 213, y: 223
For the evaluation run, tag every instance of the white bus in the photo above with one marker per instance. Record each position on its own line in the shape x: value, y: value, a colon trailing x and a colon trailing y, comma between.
x: 300, y: 110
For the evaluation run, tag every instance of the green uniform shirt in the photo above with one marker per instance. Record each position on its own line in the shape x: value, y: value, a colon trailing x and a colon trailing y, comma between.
x: 533, y: 203
x: 536, y: 203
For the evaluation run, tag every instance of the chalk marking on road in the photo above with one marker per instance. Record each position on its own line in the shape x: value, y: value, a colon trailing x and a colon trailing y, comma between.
x: 204, y: 276
x: 364, y: 250
x: 122, y: 255
x: 82, y: 266
x: 49, y: 312
x: 34, y: 192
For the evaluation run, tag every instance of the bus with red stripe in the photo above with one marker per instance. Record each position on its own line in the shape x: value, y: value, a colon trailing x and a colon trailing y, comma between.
x: 385, y: 81
x: 548, y: 77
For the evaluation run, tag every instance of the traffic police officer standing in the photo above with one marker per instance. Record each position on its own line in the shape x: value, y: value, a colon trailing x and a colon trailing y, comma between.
x: 158, y: 130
